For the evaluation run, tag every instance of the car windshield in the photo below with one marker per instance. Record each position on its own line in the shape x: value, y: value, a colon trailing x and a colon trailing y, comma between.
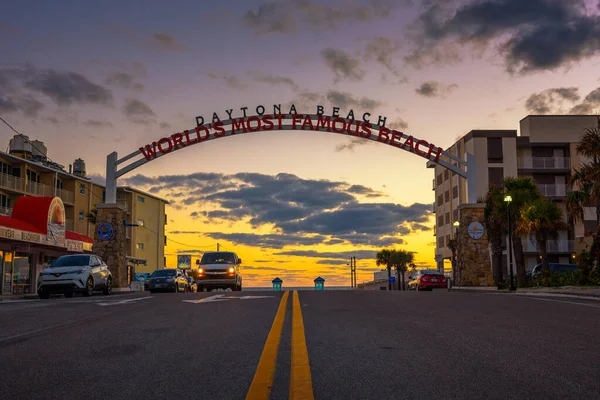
x: 163, y: 272
x: 71, y: 261
x: 430, y: 272
x: 217, y: 258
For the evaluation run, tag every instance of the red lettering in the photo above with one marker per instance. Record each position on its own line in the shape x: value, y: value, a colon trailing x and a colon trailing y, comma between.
x: 177, y: 140
x: 324, y: 121
x: 335, y: 128
x: 163, y: 140
x: 417, y: 150
x: 409, y: 141
x: 280, y: 119
x: 351, y: 132
x: 383, y: 132
x: 238, y: 124
x: 396, y: 136
x: 187, y: 138
x: 254, y: 119
x: 203, y: 128
x: 437, y: 156
x: 150, y: 152
x: 308, y: 121
x: 366, y: 130
x: 296, y: 120
x: 268, y: 123
x: 218, y: 127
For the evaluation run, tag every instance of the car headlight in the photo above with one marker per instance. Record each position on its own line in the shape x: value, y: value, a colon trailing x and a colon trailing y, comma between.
x: 171, y: 280
x: 200, y: 271
x: 231, y: 270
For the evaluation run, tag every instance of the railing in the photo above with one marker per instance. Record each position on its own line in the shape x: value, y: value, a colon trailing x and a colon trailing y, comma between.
x: 552, y: 246
x: 65, y: 195
x: 6, y: 211
x: 554, y: 190
x: 39, y: 189
x: 11, y: 182
x: 70, y: 224
x: 544, y: 162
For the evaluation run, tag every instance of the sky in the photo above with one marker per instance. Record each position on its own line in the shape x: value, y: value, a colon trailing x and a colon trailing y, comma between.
x: 90, y: 80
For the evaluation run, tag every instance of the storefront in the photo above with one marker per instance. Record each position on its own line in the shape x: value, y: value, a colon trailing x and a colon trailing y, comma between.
x: 31, y: 238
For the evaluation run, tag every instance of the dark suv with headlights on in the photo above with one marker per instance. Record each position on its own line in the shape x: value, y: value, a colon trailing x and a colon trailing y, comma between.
x: 219, y: 270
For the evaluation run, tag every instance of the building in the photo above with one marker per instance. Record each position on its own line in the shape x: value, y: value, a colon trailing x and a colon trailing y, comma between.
x: 27, y: 171
x: 545, y: 151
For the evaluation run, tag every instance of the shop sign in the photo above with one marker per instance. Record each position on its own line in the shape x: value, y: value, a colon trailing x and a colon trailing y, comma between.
x: 8, y: 233
x: 74, y: 245
x: 105, y: 231
x: 21, y: 248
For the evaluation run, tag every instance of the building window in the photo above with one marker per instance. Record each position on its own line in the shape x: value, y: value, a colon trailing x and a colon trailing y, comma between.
x: 5, y: 168
x: 455, y: 214
x: 495, y: 176
x: 441, y: 242
x: 81, y: 189
x: 440, y: 221
x: 494, y: 150
x: 448, y: 217
x: 447, y: 239
x: 447, y: 196
x: 455, y: 192
x: 140, y: 199
x: 140, y: 246
x: 439, y: 180
x: 446, y: 174
x: 440, y: 200
x: 4, y: 201
x: 81, y: 215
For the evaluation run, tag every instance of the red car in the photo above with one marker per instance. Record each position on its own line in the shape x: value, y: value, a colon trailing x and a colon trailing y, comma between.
x: 427, y: 280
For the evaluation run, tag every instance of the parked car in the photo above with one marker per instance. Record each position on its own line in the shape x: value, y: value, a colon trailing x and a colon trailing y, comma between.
x: 219, y: 269
x: 554, y: 267
x: 76, y: 273
x: 168, y: 279
x: 427, y: 280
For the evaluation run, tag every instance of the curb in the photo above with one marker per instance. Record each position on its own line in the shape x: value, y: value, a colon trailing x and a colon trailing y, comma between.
x: 557, y: 293
x: 31, y: 297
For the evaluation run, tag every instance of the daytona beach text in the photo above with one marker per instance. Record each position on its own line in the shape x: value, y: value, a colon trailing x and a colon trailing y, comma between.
x: 269, y: 122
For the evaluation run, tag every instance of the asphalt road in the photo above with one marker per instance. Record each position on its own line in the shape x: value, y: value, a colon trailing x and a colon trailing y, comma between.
x: 330, y: 345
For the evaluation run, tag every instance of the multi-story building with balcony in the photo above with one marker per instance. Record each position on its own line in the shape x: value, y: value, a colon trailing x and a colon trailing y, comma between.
x: 545, y: 151
x: 27, y: 171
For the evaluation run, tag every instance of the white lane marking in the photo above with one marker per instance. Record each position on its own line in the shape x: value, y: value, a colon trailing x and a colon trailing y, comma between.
x: 114, y: 303
x: 221, y: 297
x: 567, y: 302
x: 532, y: 295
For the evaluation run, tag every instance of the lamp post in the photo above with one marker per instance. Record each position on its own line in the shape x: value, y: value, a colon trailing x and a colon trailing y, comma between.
x: 456, y: 224
x: 508, y: 200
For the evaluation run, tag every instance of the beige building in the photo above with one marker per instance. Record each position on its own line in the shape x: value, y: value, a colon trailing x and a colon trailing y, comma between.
x: 544, y: 151
x: 27, y: 171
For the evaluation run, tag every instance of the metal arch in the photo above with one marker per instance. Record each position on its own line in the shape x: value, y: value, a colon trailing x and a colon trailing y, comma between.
x: 113, y: 161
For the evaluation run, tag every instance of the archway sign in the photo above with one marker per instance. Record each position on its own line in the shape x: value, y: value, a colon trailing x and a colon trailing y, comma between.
x: 238, y: 122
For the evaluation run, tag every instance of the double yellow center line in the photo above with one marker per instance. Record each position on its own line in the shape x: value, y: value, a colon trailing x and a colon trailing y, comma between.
x: 300, y: 378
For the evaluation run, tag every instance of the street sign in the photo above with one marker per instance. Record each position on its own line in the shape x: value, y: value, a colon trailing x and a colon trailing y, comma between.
x: 392, y: 279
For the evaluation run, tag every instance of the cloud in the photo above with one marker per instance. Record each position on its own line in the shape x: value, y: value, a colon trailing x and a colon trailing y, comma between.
x: 531, y: 35
x: 123, y: 80
x: 382, y: 50
x: 551, y: 101
x: 138, y: 112
x: 290, y: 16
x: 589, y: 105
x: 273, y: 79
x: 25, y: 104
x: 232, y: 81
x: 164, y: 41
x: 297, y: 211
x: 52, y: 120
x: 97, y: 179
x: 351, y: 145
x: 165, y: 125
x: 359, y: 254
x: 398, y: 124
x: 98, y: 124
x: 347, y: 100
x: 343, y: 65
x: 435, y: 89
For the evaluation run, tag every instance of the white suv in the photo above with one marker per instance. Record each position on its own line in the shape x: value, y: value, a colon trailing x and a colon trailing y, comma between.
x: 70, y: 274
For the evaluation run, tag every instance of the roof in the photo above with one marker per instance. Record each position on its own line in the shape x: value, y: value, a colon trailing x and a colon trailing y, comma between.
x: 140, y: 192
x: 319, y: 279
x: 20, y: 225
x: 276, y: 280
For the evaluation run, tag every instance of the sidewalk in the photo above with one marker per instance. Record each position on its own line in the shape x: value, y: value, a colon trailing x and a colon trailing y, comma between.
x: 20, y: 297
x: 592, y: 291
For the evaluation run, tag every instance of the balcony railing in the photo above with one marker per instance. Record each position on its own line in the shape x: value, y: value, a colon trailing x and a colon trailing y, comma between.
x: 555, y: 190
x: 552, y: 246
x: 544, y: 162
x: 65, y: 195
x: 39, y: 189
x: 6, y: 211
x: 11, y: 182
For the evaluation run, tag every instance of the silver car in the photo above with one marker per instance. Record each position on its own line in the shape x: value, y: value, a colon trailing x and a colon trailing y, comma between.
x: 84, y: 273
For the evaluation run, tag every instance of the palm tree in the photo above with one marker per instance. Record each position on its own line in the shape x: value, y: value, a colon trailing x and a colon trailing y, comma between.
x: 401, y: 260
x: 543, y: 219
x: 522, y: 190
x: 92, y: 215
x: 494, y: 220
x: 585, y: 183
x: 384, y: 257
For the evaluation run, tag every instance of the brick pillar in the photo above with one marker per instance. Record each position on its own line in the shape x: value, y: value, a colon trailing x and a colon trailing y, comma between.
x: 113, y: 250
x: 474, y: 267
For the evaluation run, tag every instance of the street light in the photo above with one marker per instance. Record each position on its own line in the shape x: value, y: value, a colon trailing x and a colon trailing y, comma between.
x: 508, y: 200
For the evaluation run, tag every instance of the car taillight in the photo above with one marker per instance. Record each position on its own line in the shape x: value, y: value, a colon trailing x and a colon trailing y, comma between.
x: 425, y: 278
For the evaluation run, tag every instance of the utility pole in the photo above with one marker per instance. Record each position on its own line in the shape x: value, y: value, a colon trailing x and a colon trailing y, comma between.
x: 354, y: 271
x: 217, y: 246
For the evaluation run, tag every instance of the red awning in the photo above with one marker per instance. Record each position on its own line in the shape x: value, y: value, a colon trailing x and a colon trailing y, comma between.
x: 17, y: 224
x: 76, y: 236
x: 34, y: 211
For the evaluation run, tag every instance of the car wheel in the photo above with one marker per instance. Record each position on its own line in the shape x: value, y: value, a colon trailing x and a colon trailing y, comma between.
x: 68, y: 295
x: 44, y: 294
x: 108, y: 289
x: 240, y: 288
x: 89, y: 287
x: 151, y: 291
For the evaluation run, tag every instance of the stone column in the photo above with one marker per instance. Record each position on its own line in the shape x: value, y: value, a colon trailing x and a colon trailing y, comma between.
x: 113, y: 250
x: 474, y: 267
